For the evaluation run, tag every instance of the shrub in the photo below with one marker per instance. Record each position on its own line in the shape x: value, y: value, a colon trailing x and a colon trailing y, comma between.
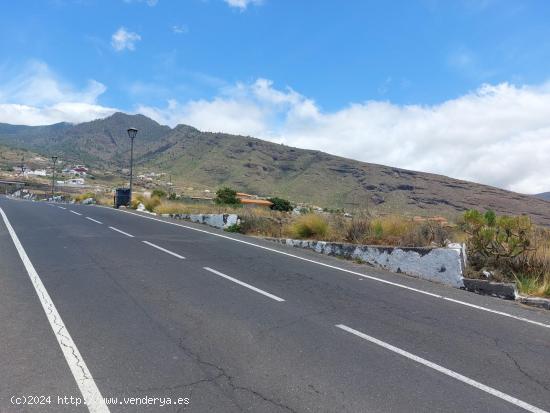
x: 226, y: 196
x: 280, y: 204
x: 158, y: 193
x: 512, y: 247
x: 82, y: 197
x: 151, y: 203
x: 498, y: 240
x: 309, y: 226
x: 378, y: 230
x: 233, y: 228
x: 358, y: 230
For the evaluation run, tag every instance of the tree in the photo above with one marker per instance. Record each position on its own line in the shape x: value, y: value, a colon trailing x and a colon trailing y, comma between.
x: 280, y: 204
x: 226, y: 196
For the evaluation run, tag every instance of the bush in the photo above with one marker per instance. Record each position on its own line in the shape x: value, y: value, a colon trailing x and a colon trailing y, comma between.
x: 226, y: 196
x: 151, y: 203
x: 358, y: 230
x: 498, y: 240
x: 82, y: 197
x: 233, y: 228
x: 512, y: 248
x: 309, y: 226
x: 158, y: 193
x: 280, y: 204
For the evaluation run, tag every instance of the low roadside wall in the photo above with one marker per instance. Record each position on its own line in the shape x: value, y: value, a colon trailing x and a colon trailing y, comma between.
x: 442, y: 265
x: 213, y: 220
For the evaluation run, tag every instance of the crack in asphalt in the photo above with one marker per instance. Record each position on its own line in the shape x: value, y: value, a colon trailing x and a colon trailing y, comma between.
x: 63, y: 339
x: 230, y: 379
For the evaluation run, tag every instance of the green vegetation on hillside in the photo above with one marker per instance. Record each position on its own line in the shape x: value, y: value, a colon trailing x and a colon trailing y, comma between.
x: 212, y: 160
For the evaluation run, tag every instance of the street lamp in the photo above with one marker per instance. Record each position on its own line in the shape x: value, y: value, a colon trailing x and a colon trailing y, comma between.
x: 54, y: 159
x: 132, y: 132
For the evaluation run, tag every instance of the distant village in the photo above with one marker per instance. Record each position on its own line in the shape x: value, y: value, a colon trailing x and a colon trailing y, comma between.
x: 77, y: 174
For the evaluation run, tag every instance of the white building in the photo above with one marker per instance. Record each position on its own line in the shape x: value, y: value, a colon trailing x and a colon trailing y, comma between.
x: 74, y: 181
x: 36, y: 172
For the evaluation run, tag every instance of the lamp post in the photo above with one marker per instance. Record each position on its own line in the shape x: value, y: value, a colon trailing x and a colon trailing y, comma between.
x: 132, y: 132
x: 54, y: 159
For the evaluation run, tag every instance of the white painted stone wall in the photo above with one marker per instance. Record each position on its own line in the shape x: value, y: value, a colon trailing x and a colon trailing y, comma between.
x: 214, y: 220
x: 442, y: 265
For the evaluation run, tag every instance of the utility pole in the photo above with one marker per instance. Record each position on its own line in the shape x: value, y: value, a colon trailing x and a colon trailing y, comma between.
x: 54, y: 159
x: 132, y: 132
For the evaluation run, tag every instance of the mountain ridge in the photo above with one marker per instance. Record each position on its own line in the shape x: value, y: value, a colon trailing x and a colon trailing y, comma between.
x: 253, y: 165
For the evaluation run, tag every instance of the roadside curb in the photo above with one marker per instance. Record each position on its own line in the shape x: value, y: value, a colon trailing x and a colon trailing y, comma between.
x: 538, y: 302
x: 506, y: 291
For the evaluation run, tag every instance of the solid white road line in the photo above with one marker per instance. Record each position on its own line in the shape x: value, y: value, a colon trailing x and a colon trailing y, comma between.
x: 441, y: 369
x: 122, y: 232
x: 370, y: 277
x: 61, y: 207
x: 76, y: 213
x: 273, y: 297
x: 164, y: 249
x: 82, y: 375
x: 94, y: 220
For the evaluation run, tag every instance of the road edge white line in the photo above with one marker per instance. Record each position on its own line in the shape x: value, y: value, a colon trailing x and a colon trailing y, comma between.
x: 94, y: 220
x: 122, y: 232
x: 164, y: 250
x: 370, y: 277
x: 91, y: 394
x: 251, y: 287
x: 444, y: 370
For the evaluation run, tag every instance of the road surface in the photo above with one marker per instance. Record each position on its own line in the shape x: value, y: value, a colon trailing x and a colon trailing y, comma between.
x: 136, y: 314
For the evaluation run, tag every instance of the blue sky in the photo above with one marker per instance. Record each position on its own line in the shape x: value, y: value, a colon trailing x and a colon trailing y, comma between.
x: 291, y: 68
x: 332, y: 51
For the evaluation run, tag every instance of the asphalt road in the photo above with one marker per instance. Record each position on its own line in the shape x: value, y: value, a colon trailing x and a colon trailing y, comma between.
x: 228, y: 323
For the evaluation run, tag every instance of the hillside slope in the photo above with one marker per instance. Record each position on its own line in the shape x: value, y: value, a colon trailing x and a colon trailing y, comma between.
x: 544, y: 195
x: 252, y: 165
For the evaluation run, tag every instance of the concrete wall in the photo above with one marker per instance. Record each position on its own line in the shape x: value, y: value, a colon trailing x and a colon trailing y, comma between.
x: 442, y: 265
x: 213, y: 220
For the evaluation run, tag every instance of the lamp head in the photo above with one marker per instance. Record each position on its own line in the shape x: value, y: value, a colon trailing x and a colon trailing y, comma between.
x: 132, y: 132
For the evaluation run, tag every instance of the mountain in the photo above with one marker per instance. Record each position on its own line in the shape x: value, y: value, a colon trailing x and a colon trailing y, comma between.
x: 544, y: 195
x: 102, y: 142
x: 252, y: 165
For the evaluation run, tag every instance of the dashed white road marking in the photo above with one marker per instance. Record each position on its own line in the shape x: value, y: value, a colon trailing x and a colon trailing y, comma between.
x: 82, y: 375
x: 60, y: 207
x: 164, y: 250
x: 370, y: 277
x: 74, y: 212
x: 273, y: 297
x: 122, y: 232
x: 94, y: 220
x: 446, y: 371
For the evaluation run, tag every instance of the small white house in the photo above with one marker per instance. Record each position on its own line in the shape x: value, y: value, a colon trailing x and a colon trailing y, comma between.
x: 36, y: 172
x: 74, y: 181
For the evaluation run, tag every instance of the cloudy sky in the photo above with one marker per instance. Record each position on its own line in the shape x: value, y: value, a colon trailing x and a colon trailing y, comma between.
x: 457, y: 87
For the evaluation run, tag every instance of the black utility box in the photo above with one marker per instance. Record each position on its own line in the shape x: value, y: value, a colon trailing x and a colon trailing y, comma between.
x: 122, y: 197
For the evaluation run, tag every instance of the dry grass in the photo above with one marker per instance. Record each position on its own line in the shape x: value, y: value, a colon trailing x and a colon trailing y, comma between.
x: 310, y: 226
x: 82, y: 197
x: 532, y: 270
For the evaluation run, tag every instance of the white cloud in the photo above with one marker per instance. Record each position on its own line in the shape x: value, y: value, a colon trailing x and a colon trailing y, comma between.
x: 123, y: 39
x: 242, y: 4
x: 498, y: 134
x: 151, y: 3
x: 180, y: 29
x: 35, y: 96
